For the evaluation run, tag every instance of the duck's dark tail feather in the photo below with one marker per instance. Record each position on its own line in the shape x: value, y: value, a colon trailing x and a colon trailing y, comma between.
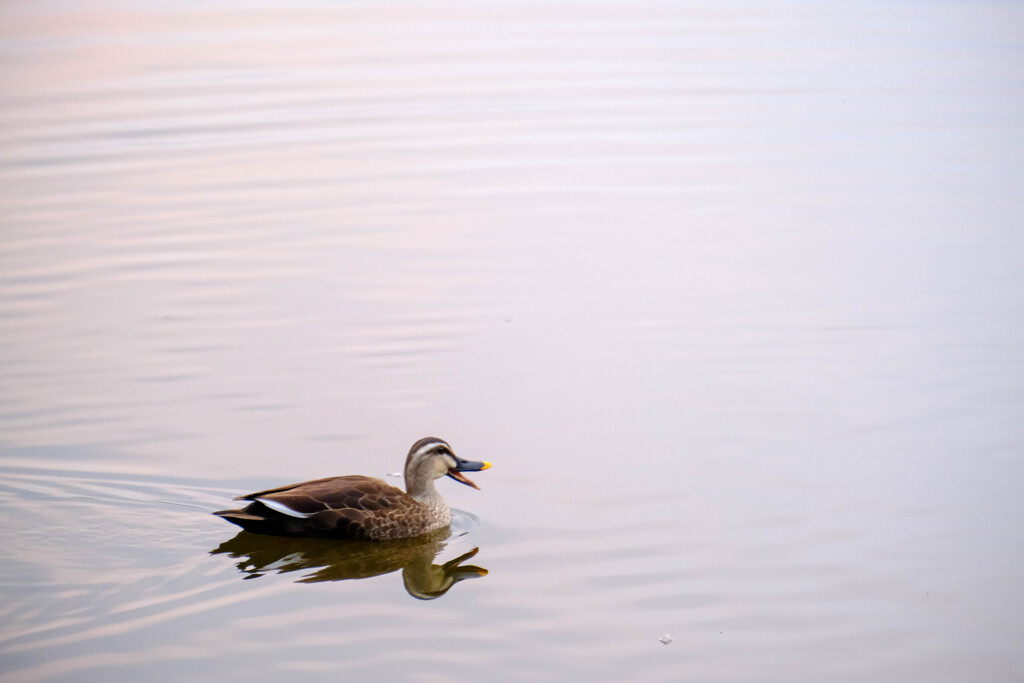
x: 278, y: 525
x: 240, y: 517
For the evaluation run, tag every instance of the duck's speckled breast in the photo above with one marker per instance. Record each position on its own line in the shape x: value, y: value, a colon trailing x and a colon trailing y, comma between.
x: 412, y: 519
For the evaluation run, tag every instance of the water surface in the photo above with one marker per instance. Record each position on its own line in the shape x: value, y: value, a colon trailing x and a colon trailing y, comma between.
x: 730, y: 294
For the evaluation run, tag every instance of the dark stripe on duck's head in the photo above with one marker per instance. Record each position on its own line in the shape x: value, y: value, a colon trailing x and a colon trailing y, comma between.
x: 428, y: 445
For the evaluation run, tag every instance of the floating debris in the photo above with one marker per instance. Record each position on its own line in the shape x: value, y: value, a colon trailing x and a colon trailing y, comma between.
x: 665, y: 639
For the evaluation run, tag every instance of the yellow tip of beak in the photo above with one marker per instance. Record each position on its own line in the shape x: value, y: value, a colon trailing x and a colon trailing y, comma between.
x: 486, y: 466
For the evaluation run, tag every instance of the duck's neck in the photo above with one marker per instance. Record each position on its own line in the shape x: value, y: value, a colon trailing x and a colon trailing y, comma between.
x: 423, y: 491
x: 427, y: 495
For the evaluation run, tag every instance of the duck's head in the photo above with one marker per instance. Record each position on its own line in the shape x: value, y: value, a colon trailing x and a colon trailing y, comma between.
x: 432, y: 458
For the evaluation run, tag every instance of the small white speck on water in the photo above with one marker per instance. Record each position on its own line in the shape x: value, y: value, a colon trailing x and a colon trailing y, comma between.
x: 665, y: 639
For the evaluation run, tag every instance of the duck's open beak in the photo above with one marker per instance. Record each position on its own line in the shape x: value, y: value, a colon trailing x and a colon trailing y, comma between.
x: 466, y: 466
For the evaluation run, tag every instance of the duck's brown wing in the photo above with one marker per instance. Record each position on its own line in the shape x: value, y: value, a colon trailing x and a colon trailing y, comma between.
x: 333, y: 493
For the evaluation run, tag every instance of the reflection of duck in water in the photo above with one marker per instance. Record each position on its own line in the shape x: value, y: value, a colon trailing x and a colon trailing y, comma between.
x: 360, y: 507
x: 334, y: 560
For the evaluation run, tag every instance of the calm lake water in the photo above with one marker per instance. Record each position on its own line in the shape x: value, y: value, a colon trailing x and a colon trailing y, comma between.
x: 731, y: 294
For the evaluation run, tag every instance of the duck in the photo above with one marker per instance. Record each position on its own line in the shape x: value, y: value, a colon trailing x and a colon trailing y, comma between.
x: 358, y: 507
